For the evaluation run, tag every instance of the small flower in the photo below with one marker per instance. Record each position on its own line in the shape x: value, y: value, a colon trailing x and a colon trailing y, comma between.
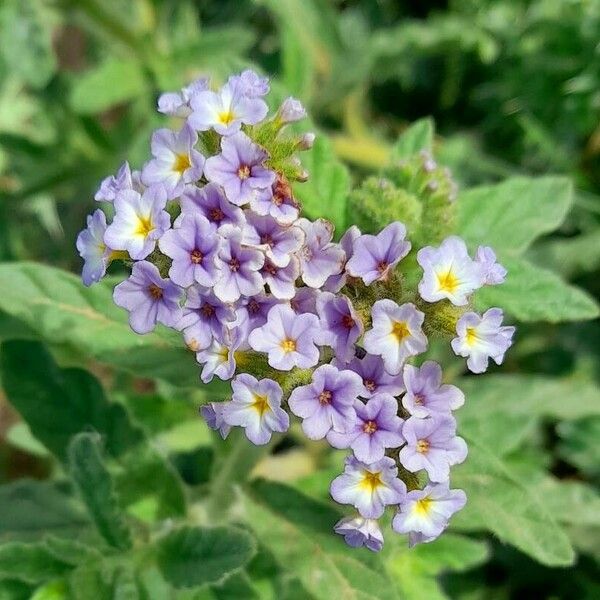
x: 250, y: 84
x: 257, y: 308
x: 139, y: 221
x: 375, y: 256
x: 256, y: 406
x: 319, y: 258
x: 376, y: 379
x: 279, y: 204
x: 112, y: 185
x: 448, y: 272
x: 358, y: 532
x: 210, y: 202
x: 178, y: 104
x: 281, y: 280
x: 425, y: 395
x: 424, y: 514
x: 93, y: 250
x: 149, y: 298
x: 482, y: 337
x: 336, y: 282
x: 279, y: 243
x: 288, y: 339
x: 240, y: 169
x: 226, y: 110
x: 369, y: 488
x: 493, y: 272
x: 193, y: 246
x: 220, y: 357
x: 432, y: 444
x: 305, y: 301
x: 327, y: 402
x: 290, y: 111
x: 341, y: 325
x: 175, y: 162
x: 377, y: 427
x: 213, y: 415
x: 396, y: 334
x: 239, y: 268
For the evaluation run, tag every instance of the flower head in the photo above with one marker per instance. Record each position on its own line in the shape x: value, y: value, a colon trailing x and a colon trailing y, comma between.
x: 178, y: 104
x: 210, y: 202
x: 358, y: 532
x: 493, y: 272
x: 93, y: 250
x: 250, y: 84
x: 376, y: 379
x: 220, y: 357
x: 112, y: 185
x: 257, y: 309
x: 279, y: 203
x: 281, y: 280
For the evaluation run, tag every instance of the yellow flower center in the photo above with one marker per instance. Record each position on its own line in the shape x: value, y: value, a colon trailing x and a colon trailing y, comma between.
x: 181, y: 163
x: 422, y: 446
x: 144, y: 226
x: 226, y: 117
x: 371, y: 481
x: 288, y: 345
x: 260, y: 404
x: 244, y: 172
x: 471, y: 335
x: 400, y: 330
x: 423, y: 506
x: 370, y: 427
x: 325, y: 397
x: 448, y: 281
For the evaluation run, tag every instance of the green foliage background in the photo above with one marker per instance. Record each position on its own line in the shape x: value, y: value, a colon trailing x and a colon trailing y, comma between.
x: 111, y: 487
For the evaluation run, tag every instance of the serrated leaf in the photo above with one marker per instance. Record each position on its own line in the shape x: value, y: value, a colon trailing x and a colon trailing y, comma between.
x: 531, y: 293
x: 195, y: 556
x: 509, y: 216
x: 31, y: 563
x: 96, y: 489
x: 419, y: 136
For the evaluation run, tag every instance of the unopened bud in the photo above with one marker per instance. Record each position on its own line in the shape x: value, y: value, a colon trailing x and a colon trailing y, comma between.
x: 306, y: 141
x: 291, y: 111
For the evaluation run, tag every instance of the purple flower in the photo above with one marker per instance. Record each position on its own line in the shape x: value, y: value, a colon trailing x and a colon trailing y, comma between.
x: 250, y: 84
x: 336, y: 282
x: 149, y: 298
x: 204, y: 318
x: 319, y: 258
x: 213, y: 415
x: 175, y: 162
x: 424, y: 514
x: 240, y: 268
x: 112, y: 185
x: 240, y: 169
x: 425, y: 395
x: 93, y: 250
x: 341, y: 326
x: 377, y: 427
x: 226, y: 110
x: 375, y: 256
x: 358, y: 532
x: 432, y: 444
x: 279, y: 204
x: 193, y: 246
x: 396, y: 334
x: 139, y: 221
x: 374, y: 376
x: 178, y: 105
x: 212, y: 204
x: 327, y: 402
x: 305, y: 300
x: 279, y: 243
x: 257, y: 308
x: 369, y: 488
x: 482, y: 337
x: 288, y: 339
x: 291, y: 111
x: 448, y: 272
x: 281, y: 280
x: 256, y: 406
x: 493, y: 272
x: 220, y: 357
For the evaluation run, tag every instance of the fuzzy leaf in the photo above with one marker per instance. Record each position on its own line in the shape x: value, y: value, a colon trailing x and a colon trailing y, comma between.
x: 419, y: 136
x: 31, y: 563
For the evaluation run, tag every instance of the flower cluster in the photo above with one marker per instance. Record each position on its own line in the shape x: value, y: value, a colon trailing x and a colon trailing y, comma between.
x: 303, y: 325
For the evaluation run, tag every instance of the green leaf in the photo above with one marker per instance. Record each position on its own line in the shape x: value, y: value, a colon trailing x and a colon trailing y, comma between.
x: 419, y: 136
x: 531, y: 293
x: 579, y: 444
x: 114, y: 81
x: 326, y: 191
x: 96, y: 489
x: 508, y: 216
x: 31, y: 563
x: 53, y: 590
x: 194, y: 556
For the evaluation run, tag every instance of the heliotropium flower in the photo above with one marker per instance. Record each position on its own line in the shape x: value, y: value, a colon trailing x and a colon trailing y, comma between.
x: 210, y: 202
x: 305, y: 300
x: 341, y: 326
x: 375, y: 378
x: 138, y: 222
x: 113, y: 184
x: 250, y: 83
x: 424, y: 514
x: 377, y: 427
x: 290, y: 111
x: 327, y: 402
x: 256, y: 406
x: 176, y: 161
x: 281, y: 280
x: 396, y: 334
x: 149, y: 298
x: 319, y: 257
x: 493, y: 272
x: 369, y: 488
x: 178, y: 104
x: 358, y: 532
x: 432, y: 444
x: 480, y: 338
x: 93, y: 250
x: 220, y: 357
x: 448, y: 272
x: 287, y: 338
x: 257, y: 308
x: 240, y: 170
x: 425, y: 394
x: 279, y: 204
x: 193, y: 246
x: 336, y: 282
x: 213, y: 415
x: 375, y: 256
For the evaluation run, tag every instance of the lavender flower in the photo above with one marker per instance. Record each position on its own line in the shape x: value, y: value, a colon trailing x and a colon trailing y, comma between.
x: 279, y: 204
x: 396, y: 334
x: 281, y: 280
x: 327, y: 402
x: 291, y: 111
x: 305, y: 300
x: 279, y: 243
x: 210, y: 202
x: 149, y: 298
x: 257, y: 309
x: 113, y: 184
x: 374, y: 376
x: 93, y: 250
x: 220, y: 357
x: 493, y: 273
x: 240, y: 169
x: 369, y: 488
x: 425, y: 395
x: 431, y: 444
x: 213, y: 415
x: 424, y: 514
x: 256, y: 406
x: 377, y: 427
x: 288, y: 339
x: 250, y: 84
x: 178, y: 104
x: 336, y: 282
x: 358, y: 532
x: 482, y: 337
x: 375, y: 256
